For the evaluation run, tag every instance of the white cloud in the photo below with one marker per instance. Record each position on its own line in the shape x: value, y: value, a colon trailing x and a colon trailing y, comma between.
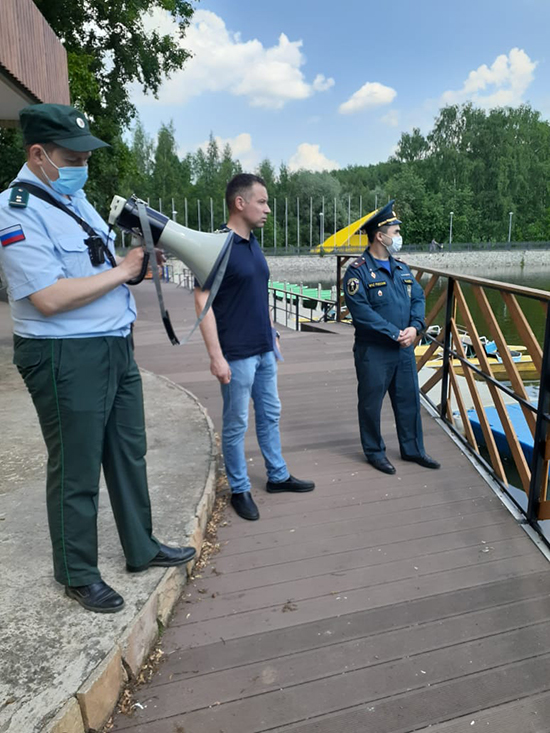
x: 222, y: 62
x: 371, y: 94
x: 321, y: 83
x: 241, y: 147
x: 309, y: 157
x: 502, y: 84
x: 391, y: 118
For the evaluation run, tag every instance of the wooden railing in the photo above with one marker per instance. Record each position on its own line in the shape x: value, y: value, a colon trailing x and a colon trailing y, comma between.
x: 456, y: 370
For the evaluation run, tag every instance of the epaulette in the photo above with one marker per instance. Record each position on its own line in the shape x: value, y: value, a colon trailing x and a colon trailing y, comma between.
x: 358, y: 262
x: 19, y: 198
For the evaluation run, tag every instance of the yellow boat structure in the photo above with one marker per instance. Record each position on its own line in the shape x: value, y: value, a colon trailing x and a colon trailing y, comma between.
x: 349, y: 239
x: 523, y: 361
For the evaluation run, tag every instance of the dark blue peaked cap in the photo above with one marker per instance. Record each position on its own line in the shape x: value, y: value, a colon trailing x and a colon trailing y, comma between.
x: 385, y: 216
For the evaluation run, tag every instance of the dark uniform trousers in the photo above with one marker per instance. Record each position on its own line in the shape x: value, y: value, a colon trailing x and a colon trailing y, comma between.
x: 88, y: 396
x: 391, y: 369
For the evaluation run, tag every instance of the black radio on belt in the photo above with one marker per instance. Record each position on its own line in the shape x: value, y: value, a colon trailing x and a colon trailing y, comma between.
x: 96, y: 250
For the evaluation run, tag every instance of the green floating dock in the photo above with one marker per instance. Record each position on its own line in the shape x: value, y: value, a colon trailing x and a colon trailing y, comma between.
x: 303, y: 291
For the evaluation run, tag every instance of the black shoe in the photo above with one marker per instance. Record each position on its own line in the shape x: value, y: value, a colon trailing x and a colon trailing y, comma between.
x: 291, y: 484
x: 97, y: 597
x: 423, y: 460
x: 166, y: 557
x: 381, y: 464
x: 244, y: 505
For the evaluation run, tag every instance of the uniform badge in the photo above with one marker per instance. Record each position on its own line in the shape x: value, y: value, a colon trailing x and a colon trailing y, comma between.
x: 372, y: 274
x: 352, y: 286
x: 19, y: 198
x: 409, y: 290
x: 379, y: 293
x: 11, y: 235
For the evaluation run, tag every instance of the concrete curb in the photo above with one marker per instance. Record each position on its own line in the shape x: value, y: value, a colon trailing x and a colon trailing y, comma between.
x: 94, y: 702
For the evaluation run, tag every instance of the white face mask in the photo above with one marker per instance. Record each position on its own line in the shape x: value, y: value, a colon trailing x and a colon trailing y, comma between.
x: 395, y: 244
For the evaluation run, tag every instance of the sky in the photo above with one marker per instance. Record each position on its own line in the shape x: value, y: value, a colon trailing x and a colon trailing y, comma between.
x: 324, y: 85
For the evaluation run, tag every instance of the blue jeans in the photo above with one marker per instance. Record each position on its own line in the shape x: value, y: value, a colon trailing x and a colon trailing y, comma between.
x: 254, y: 377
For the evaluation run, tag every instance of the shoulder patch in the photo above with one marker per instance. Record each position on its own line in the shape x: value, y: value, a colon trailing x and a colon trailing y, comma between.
x: 19, y: 198
x: 352, y: 286
x: 358, y: 262
x: 11, y: 235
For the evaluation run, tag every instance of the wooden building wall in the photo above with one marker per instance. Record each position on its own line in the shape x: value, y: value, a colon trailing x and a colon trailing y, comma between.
x: 31, y: 55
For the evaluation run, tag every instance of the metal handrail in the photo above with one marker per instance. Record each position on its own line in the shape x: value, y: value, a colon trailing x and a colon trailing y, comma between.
x: 294, y: 309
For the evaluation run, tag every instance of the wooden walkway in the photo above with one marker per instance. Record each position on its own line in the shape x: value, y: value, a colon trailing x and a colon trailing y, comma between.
x: 375, y: 604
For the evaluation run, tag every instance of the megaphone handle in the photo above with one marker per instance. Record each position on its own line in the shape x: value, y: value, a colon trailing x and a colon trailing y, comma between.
x: 149, y: 244
x: 170, y: 329
x: 144, y: 266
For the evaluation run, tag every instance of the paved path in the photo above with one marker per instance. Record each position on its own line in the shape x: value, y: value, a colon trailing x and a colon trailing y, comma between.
x: 49, y: 645
x: 376, y: 604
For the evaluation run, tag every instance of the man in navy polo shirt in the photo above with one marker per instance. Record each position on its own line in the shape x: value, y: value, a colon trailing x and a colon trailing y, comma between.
x: 240, y: 341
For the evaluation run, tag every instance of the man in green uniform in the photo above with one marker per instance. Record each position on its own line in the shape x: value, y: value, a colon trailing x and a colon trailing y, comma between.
x: 72, y: 314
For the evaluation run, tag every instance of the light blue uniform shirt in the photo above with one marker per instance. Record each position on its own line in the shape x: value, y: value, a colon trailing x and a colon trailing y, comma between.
x: 53, y: 248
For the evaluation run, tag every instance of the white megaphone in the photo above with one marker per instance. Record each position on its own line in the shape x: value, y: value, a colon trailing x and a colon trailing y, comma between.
x: 202, y: 252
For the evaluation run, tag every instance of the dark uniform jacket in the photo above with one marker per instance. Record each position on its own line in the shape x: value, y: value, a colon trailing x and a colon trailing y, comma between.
x: 382, y: 305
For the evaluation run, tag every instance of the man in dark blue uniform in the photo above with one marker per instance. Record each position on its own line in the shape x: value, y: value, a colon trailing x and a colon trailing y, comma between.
x: 387, y: 307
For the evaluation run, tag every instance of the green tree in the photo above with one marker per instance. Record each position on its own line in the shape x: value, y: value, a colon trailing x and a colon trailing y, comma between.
x: 111, y: 45
x: 166, y: 177
x: 412, y: 147
x: 143, y: 150
x: 12, y: 155
x: 266, y: 171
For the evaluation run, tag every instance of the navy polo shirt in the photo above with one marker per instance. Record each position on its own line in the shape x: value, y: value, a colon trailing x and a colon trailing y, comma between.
x: 241, y: 304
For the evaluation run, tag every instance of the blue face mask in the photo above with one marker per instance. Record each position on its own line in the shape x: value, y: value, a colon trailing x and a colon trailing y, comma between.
x: 71, y: 178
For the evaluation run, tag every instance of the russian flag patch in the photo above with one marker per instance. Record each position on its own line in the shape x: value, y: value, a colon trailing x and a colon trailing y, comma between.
x: 11, y: 235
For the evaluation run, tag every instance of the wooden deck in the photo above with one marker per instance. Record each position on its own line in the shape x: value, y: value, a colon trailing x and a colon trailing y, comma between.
x: 375, y: 604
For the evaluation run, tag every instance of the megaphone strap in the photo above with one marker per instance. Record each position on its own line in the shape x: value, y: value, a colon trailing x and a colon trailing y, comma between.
x: 149, y: 244
x: 150, y: 247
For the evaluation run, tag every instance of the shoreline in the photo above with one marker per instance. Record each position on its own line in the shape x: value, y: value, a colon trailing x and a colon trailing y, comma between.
x: 313, y: 269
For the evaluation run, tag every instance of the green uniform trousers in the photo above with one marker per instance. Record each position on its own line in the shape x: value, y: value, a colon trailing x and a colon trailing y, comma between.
x: 88, y: 396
